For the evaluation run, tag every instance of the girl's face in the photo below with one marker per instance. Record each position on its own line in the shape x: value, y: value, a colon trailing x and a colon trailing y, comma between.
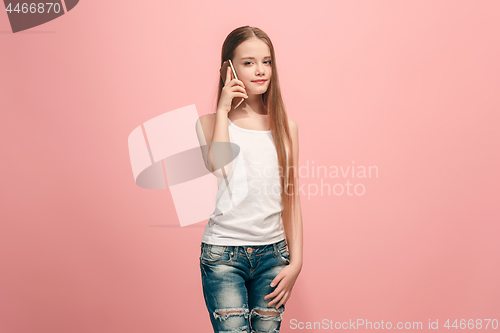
x: 252, y: 62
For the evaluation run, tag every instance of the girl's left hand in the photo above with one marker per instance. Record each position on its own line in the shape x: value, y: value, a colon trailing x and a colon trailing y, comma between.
x: 285, y: 280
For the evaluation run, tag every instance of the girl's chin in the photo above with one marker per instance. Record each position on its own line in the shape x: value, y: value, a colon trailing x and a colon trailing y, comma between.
x: 254, y: 93
x: 251, y: 96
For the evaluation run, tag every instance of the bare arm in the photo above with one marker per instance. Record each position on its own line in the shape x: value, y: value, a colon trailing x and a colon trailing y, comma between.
x: 213, y: 136
x: 213, y: 132
x: 295, y: 239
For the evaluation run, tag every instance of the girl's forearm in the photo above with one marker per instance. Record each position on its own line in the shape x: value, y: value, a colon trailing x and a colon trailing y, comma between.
x: 221, y: 157
x: 295, y: 239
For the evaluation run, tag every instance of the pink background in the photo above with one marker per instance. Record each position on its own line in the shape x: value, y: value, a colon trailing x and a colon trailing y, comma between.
x: 408, y: 86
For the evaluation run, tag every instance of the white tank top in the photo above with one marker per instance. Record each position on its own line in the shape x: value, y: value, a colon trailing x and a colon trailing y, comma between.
x: 250, y: 212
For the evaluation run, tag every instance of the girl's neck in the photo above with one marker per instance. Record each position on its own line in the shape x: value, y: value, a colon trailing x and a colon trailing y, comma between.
x: 248, y: 113
x: 252, y: 107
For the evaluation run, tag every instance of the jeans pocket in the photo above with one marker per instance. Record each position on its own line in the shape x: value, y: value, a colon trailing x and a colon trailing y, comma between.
x: 215, y: 254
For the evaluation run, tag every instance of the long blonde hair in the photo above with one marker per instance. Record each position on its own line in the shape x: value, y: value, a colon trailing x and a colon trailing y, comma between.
x: 278, y: 120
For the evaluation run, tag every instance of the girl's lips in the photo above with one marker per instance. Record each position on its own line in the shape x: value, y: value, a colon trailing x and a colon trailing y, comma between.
x: 259, y: 81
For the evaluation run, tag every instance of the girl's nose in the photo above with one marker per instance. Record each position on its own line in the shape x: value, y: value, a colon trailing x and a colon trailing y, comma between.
x: 260, y: 69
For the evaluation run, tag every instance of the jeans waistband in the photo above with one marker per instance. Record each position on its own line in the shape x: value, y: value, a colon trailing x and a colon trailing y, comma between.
x: 250, y: 249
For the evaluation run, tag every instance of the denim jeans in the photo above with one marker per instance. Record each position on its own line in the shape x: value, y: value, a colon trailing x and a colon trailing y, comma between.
x: 235, y: 280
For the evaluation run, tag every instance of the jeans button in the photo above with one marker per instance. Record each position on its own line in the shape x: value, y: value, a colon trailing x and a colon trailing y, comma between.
x: 249, y: 250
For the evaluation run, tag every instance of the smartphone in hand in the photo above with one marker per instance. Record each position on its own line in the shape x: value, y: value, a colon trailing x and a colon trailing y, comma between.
x: 223, y: 73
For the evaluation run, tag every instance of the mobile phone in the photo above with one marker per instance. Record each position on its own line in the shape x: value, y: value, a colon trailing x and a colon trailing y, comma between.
x: 223, y: 73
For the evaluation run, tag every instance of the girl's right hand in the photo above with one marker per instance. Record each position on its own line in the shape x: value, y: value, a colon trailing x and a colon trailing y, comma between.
x: 232, y: 88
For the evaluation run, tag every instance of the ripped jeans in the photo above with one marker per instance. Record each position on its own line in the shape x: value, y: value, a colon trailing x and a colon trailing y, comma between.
x: 235, y: 280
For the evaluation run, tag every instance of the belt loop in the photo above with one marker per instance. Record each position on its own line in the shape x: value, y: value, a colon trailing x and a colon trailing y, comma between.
x: 235, y: 254
x: 275, y: 249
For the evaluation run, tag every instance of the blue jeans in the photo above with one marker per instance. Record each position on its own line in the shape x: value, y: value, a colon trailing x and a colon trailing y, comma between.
x: 235, y: 280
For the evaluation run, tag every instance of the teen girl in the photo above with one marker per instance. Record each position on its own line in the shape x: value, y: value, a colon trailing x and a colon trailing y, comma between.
x: 247, y: 271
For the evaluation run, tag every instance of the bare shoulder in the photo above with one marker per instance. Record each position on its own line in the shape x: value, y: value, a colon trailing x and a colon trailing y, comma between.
x: 207, y: 118
x: 292, y: 125
x: 294, y: 134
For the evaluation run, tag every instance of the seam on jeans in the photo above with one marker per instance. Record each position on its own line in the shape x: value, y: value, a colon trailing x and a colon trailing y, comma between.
x: 236, y: 249
x: 210, y: 260
x: 216, y: 262
x: 277, y: 247
x: 253, y: 268
x: 202, y: 269
x: 209, y: 252
x: 261, y: 254
x: 284, y: 260
x: 275, y: 250
x: 284, y: 246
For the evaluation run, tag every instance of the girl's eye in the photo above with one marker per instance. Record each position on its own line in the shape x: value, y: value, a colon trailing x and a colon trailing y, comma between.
x: 268, y: 61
